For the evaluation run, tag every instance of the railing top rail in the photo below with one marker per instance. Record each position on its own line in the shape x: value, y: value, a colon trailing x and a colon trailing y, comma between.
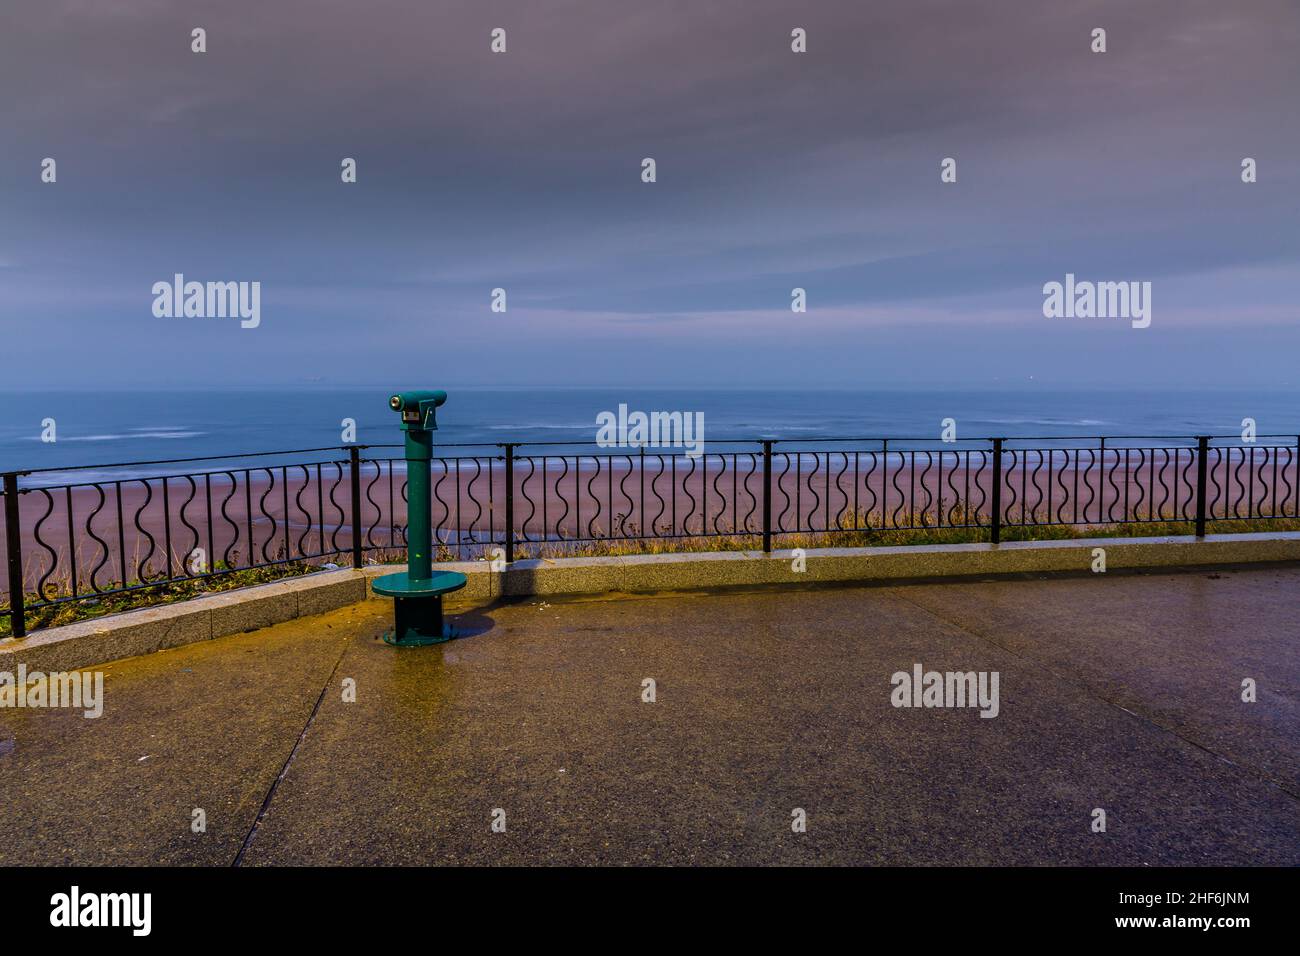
x: 882, y: 440
x: 182, y: 461
x: 776, y: 440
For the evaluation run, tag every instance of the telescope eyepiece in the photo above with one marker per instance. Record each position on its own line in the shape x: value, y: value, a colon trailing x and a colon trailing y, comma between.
x: 416, y: 408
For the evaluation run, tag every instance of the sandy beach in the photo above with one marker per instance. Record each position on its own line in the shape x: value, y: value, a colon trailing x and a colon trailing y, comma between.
x: 158, y: 526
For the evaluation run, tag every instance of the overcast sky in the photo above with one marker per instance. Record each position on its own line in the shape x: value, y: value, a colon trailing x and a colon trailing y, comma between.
x: 775, y: 169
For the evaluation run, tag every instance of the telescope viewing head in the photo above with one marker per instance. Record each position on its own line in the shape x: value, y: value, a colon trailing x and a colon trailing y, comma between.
x: 417, y: 408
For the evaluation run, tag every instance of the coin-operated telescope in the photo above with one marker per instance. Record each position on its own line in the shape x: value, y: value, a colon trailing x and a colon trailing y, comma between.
x: 417, y: 592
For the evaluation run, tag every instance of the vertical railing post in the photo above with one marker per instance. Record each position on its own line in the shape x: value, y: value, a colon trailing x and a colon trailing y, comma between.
x: 354, y: 468
x: 1202, y: 456
x: 14, y: 546
x: 995, y: 533
x: 767, y: 497
x: 510, y: 503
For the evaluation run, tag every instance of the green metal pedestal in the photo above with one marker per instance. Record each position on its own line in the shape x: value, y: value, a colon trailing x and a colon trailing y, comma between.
x: 418, y: 606
x: 417, y: 593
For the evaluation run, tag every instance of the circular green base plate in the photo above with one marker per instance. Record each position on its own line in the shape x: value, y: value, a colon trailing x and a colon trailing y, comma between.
x: 403, y: 586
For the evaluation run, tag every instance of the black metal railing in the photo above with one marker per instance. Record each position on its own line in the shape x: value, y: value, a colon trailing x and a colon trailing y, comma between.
x: 121, y: 528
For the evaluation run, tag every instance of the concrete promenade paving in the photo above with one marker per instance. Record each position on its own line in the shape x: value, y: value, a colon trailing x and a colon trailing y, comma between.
x: 1119, y: 692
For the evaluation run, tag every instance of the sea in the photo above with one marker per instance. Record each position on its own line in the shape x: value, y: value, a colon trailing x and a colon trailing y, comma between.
x: 122, y: 427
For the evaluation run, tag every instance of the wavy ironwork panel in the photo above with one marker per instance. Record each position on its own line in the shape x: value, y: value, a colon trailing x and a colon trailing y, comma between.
x: 93, y: 538
x: 637, y: 494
